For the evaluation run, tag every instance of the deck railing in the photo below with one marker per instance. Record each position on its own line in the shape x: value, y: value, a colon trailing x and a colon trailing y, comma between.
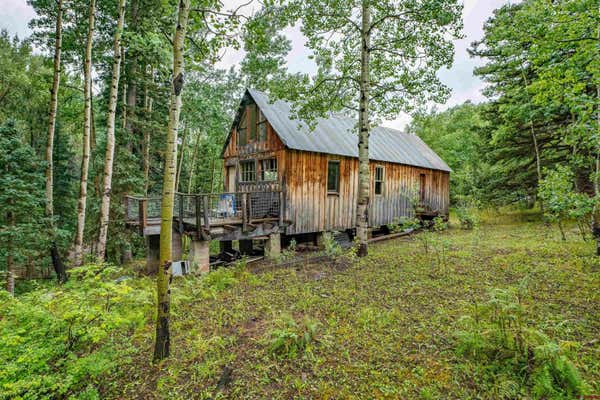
x: 208, y: 209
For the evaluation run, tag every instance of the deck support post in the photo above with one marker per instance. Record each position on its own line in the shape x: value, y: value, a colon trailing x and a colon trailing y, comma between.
x: 273, y: 246
x: 246, y: 247
x: 152, y: 253
x: 199, y: 256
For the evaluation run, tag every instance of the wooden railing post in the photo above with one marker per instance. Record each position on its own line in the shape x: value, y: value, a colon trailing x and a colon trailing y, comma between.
x: 143, y: 214
x: 206, y: 210
x: 281, y: 209
x: 180, y: 213
x: 198, y: 217
x: 245, y: 211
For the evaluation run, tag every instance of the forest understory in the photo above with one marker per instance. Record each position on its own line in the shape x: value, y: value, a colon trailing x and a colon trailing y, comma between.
x: 436, y: 315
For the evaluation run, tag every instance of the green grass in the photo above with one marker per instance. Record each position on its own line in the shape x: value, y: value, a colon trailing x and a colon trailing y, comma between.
x: 388, y: 326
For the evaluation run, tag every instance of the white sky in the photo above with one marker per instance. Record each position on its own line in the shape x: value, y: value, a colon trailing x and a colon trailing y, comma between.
x: 15, y: 15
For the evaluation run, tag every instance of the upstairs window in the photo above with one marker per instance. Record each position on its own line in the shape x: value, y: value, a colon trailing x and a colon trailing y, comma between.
x: 379, y: 180
x: 268, y: 169
x: 252, y: 132
x: 261, y: 127
x: 242, y: 130
x: 248, y: 171
x: 333, y: 177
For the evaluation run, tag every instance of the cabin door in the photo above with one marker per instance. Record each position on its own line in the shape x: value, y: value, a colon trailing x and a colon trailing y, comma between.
x: 231, y: 179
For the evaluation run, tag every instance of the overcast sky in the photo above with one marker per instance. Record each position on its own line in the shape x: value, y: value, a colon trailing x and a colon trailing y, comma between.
x: 15, y: 15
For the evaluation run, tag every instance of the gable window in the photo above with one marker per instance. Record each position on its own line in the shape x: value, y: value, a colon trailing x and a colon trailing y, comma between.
x: 252, y: 131
x: 378, y: 180
x: 268, y: 169
x: 247, y: 171
x: 261, y: 127
x: 333, y: 177
x: 242, y: 130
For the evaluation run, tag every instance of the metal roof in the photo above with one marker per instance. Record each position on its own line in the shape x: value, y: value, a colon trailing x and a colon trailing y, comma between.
x: 337, y: 135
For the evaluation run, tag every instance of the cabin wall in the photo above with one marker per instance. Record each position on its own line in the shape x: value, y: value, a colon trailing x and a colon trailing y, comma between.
x: 310, y: 208
x: 400, y: 184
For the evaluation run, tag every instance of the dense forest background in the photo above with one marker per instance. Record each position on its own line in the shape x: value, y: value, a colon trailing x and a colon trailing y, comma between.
x: 534, y: 142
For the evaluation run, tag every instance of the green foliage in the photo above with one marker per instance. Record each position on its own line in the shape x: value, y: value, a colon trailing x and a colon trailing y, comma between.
x: 403, y: 224
x: 332, y: 247
x: 63, y: 341
x: 291, y: 339
x: 467, y: 216
x: 518, y: 360
x: 561, y: 201
x: 22, y: 221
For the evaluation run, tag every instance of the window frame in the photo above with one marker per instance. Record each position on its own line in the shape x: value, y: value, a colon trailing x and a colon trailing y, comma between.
x: 261, y: 121
x: 263, y: 169
x: 337, y: 180
x: 381, y: 180
x: 243, y: 127
x: 243, y: 173
x: 422, y: 186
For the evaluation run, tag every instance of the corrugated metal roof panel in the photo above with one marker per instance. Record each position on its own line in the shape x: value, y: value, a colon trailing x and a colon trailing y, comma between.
x: 337, y: 135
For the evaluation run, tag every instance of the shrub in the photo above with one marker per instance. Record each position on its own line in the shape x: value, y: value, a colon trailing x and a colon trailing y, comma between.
x: 521, y: 360
x: 467, y: 217
x: 332, y: 248
x: 291, y: 339
x: 403, y: 224
x: 58, y: 342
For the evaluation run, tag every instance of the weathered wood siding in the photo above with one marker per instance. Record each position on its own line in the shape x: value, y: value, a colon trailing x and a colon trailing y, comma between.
x: 310, y: 208
x: 400, y: 183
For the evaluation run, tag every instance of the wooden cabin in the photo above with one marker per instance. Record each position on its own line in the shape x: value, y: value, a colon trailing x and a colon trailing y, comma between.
x: 317, y: 171
x: 283, y: 178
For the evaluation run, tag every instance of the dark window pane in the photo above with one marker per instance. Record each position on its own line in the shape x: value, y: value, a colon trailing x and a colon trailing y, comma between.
x: 333, y: 176
x: 262, y: 132
x: 378, y: 179
x: 247, y: 171
x: 269, y: 169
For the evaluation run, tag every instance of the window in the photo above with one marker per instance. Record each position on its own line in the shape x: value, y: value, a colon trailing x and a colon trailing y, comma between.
x: 262, y: 127
x: 378, y: 179
x: 252, y: 134
x: 268, y: 169
x: 248, y: 171
x: 333, y: 177
x: 422, y: 180
x: 242, y: 139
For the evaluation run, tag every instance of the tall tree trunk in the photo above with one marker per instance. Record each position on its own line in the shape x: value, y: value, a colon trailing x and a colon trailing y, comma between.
x: 87, y: 121
x: 59, y: 267
x: 163, y: 280
x: 110, y: 137
x: 181, y: 156
x: 362, y: 209
x: 193, y: 168
x: 10, y: 261
x: 536, y: 148
x: 596, y: 210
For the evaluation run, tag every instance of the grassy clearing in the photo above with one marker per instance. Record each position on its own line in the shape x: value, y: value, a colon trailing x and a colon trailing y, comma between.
x: 389, y: 326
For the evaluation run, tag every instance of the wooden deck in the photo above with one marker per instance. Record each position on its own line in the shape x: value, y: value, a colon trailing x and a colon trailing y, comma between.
x: 220, y: 216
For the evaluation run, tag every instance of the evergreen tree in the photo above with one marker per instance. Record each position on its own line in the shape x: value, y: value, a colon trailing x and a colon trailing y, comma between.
x: 21, y: 201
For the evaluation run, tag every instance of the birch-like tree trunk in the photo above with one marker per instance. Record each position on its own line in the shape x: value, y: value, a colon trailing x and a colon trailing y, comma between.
x: 87, y: 121
x: 57, y: 263
x: 163, y: 280
x: 110, y: 136
x: 362, y: 209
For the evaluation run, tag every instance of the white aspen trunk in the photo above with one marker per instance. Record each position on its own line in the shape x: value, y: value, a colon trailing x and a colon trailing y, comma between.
x: 163, y: 277
x: 362, y: 209
x: 85, y: 156
x: 110, y: 137
x: 57, y: 263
